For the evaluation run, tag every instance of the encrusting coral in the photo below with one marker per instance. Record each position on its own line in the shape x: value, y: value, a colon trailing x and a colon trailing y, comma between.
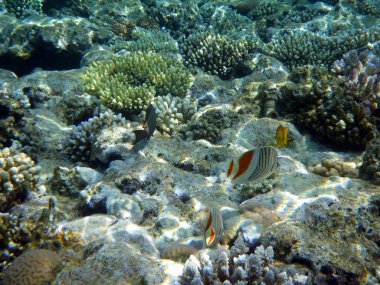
x: 128, y: 83
x: 238, y: 266
x: 370, y: 168
x: 34, y: 267
x: 18, y: 175
x: 330, y: 167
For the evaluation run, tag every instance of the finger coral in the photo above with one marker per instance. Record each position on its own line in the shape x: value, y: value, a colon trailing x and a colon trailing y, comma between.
x: 173, y: 112
x: 238, y: 266
x: 18, y: 175
x: 128, y: 83
x: 34, y: 267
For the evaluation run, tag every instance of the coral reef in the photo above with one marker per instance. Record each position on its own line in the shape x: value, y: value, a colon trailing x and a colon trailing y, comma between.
x: 23, y: 271
x: 13, y: 239
x: 128, y: 83
x: 370, y: 168
x: 298, y: 48
x: 151, y: 40
x: 172, y: 112
x: 323, y: 107
x: 209, y: 124
x: 331, y: 167
x: 360, y: 73
x: 215, y: 54
x: 80, y: 139
x: 23, y: 8
x: 238, y: 267
x: 18, y: 175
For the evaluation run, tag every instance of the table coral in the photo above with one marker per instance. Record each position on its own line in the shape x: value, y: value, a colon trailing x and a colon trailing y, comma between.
x: 128, y: 83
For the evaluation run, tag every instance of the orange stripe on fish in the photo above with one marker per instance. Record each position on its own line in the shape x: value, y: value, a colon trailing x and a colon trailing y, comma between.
x: 214, y: 231
x: 255, y: 165
x: 244, y: 162
x: 230, y: 168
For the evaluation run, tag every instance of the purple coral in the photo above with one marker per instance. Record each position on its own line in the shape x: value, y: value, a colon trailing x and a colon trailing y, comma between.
x: 360, y: 72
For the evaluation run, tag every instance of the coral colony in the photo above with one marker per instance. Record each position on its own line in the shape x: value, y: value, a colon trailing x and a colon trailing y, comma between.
x: 189, y: 142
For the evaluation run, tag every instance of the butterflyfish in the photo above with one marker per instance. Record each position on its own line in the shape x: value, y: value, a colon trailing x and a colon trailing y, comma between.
x: 282, y: 136
x: 253, y: 165
x: 149, y: 125
x: 214, y: 231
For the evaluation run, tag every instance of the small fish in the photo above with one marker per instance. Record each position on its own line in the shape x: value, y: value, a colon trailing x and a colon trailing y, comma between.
x: 149, y: 125
x: 282, y: 136
x: 214, y: 231
x: 253, y: 165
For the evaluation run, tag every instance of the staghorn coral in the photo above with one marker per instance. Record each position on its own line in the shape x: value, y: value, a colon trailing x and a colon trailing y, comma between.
x: 238, y: 266
x: 172, y: 112
x: 23, y: 8
x: 128, y: 83
x: 80, y: 139
x: 214, y: 53
x: 360, y: 74
x: 18, y: 175
x: 23, y: 271
x: 13, y: 239
x: 298, y: 48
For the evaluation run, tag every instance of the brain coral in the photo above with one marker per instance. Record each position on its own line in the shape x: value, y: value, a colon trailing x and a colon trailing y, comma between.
x: 35, y: 267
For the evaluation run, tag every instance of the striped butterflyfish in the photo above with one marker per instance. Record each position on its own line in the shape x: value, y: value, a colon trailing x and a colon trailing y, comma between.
x: 214, y: 231
x: 253, y: 165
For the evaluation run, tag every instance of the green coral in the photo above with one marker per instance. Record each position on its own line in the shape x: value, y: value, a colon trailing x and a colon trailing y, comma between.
x: 23, y: 8
x: 128, y: 83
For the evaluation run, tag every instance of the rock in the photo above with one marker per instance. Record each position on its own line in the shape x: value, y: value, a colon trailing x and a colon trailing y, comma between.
x: 128, y: 266
x: 115, y: 202
x: 88, y: 175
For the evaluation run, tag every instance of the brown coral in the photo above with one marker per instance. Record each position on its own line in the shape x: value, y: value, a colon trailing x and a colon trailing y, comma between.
x: 35, y: 267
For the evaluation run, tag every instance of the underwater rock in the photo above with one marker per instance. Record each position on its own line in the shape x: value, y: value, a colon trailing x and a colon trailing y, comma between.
x: 114, y: 202
x: 129, y: 266
x: 370, y: 168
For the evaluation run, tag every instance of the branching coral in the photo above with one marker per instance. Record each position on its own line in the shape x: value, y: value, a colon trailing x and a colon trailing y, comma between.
x: 18, y: 175
x: 215, y: 54
x: 81, y: 138
x: 13, y: 239
x: 173, y: 112
x: 296, y: 49
x: 238, y: 266
x: 360, y: 73
x: 22, y: 8
x: 129, y: 83
x: 150, y: 40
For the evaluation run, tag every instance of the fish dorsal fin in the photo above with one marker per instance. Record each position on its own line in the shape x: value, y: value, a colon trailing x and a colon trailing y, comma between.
x: 244, y: 162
